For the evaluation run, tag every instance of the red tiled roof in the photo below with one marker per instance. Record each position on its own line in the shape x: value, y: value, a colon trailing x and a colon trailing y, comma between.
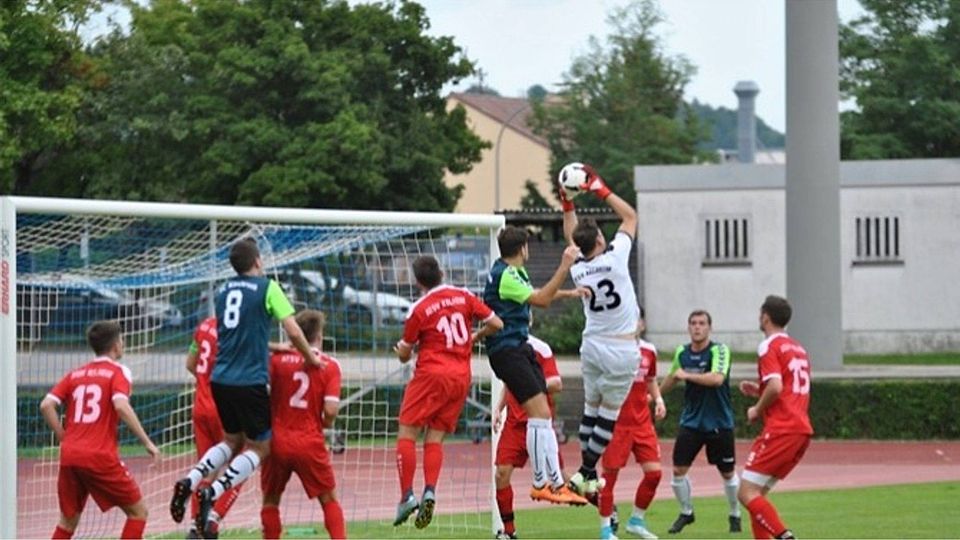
x: 501, y: 109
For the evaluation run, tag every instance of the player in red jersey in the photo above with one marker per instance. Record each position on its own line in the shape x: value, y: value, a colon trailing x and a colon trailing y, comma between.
x: 207, y: 430
x: 512, y: 445
x: 96, y: 396
x: 784, y: 398
x: 440, y: 322
x: 303, y: 401
x: 635, y: 434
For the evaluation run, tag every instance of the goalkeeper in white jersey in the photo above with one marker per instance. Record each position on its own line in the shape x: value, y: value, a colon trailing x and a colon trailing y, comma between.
x: 609, y: 354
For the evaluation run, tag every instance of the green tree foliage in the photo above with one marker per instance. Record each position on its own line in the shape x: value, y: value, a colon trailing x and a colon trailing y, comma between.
x: 722, y: 125
x: 294, y: 103
x: 622, y: 104
x: 537, y: 92
x: 533, y: 198
x: 43, y: 77
x: 899, y: 63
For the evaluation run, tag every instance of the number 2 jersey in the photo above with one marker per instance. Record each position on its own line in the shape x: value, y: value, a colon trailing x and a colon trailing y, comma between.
x: 87, y: 395
x: 782, y: 357
x: 441, y: 321
x: 612, y: 309
x: 297, y: 396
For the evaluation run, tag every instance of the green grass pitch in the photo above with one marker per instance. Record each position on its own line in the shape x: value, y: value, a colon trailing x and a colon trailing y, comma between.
x: 900, y: 511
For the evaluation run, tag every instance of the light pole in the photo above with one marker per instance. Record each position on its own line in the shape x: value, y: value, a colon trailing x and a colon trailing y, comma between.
x: 496, y: 160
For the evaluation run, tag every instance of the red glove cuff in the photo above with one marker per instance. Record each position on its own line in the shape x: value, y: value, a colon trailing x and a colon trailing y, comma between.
x: 567, y: 205
x: 602, y: 192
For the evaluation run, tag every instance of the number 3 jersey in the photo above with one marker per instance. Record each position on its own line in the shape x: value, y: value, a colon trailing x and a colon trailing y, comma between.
x: 297, y: 396
x: 782, y: 357
x: 611, y: 309
x: 441, y: 322
x: 87, y: 394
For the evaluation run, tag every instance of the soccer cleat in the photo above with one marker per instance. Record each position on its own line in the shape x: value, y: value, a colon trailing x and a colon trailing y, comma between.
x: 406, y: 507
x: 682, y: 521
x: 638, y: 527
x: 178, y: 503
x: 606, y: 533
x: 615, y: 521
x: 212, y: 530
x: 192, y: 533
x: 425, y: 515
x: 205, y: 498
x: 787, y: 535
x: 563, y: 495
x: 543, y: 493
x: 735, y: 526
x: 584, y: 486
x: 503, y: 535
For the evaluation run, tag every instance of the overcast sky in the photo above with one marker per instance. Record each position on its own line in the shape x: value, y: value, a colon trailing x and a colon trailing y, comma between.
x: 519, y: 43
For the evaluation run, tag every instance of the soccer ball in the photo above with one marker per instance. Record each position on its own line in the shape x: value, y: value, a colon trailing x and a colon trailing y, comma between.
x: 572, y: 178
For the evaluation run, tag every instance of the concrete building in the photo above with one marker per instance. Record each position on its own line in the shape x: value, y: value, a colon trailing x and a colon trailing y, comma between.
x: 712, y: 236
x: 498, y: 180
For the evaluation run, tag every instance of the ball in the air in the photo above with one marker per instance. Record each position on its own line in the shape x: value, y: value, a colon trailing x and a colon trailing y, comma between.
x: 572, y: 178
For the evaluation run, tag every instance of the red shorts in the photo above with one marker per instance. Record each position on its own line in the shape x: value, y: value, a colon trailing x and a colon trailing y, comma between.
x: 110, y: 484
x: 312, y: 465
x: 512, y: 446
x: 642, y: 442
x: 434, y: 400
x: 776, y: 454
x: 207, y: 431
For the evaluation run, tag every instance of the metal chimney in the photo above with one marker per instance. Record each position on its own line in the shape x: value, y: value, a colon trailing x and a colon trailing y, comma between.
x: 746, y: 92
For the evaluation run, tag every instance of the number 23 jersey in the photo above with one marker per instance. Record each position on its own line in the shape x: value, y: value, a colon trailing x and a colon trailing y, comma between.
x: 612, y: 309
x: 441, y: 322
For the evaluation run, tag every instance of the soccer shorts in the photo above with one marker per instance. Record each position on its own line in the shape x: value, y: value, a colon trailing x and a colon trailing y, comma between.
x: 609, y: 366
x: 519, y: 370
x: 243, y: 409
x: 776, y: 454
x: 512, y: 446
x: 641, y: 442
x: 207, y: 431
x: 311, y: 463
x: 110, y: 484
x: 434, y: 400
x: 720, y: 448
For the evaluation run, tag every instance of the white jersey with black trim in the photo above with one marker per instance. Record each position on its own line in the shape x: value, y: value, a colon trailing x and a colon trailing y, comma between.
x: 612, y: 309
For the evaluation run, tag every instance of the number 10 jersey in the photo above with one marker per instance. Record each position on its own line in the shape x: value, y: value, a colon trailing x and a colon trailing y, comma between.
x: 611, y: 309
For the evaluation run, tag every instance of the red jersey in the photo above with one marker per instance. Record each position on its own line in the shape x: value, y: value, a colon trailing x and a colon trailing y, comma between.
x: 91, y: 420
x: 635, y: 411
x: 205, y: 345
x: 297, y: 397
x: 441, y: 321
x: 548, y: 363
x: 784, y: 358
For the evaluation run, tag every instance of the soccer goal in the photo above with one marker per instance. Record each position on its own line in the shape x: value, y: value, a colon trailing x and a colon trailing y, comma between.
x: 155, y: 267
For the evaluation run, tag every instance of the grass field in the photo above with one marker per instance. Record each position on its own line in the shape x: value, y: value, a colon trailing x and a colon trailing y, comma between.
x: 900, y: 511
x: 916, y: 359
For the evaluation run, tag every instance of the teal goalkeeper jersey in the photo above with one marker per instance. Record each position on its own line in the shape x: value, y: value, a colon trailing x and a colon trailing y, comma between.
x: 705, y: 408
x: 507, y: 290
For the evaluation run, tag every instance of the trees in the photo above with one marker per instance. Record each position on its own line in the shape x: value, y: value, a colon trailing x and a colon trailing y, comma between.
x: 899, y: 62
x: 622, y: 104
x: 294, y: 103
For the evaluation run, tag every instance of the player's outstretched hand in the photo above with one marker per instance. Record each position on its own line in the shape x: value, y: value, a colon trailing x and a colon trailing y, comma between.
x: 595, y: 183
x: 750, y: 388
x: 570, y: 255
x: 565, y: 202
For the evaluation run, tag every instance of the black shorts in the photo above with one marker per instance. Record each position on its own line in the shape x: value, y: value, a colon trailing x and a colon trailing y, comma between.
x: 243, y: 409
x: 518, y: 368
x: 720, y: 448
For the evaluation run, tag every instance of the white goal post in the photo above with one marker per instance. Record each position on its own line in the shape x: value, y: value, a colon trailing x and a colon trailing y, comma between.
x: 13, y: 209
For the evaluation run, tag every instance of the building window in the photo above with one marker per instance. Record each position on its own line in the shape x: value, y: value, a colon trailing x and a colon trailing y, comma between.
x: 726, y: 241
x: 877, y: 240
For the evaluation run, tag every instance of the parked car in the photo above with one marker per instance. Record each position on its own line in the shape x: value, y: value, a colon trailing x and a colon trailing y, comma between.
x: 310, y: 286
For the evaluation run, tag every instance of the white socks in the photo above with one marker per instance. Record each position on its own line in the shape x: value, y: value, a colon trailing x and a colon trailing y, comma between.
x: 212, y: 460
x: 682, y: 489
x: 542, y: 447
x: 730, y: 487
x: 239, y: 470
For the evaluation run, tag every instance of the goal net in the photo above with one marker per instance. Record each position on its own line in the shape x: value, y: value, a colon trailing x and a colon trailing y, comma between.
x: 155, y: 267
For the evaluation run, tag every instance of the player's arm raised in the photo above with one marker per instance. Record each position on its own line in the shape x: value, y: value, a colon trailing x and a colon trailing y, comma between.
x: 543, y: 296
x: 626, y: 213
x: 48, y: 409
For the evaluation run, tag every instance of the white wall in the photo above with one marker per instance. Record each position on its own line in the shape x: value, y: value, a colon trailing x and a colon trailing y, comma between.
x: 908, y: 307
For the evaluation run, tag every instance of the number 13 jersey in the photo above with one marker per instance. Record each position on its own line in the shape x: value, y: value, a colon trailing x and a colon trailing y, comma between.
x: 612, y: 308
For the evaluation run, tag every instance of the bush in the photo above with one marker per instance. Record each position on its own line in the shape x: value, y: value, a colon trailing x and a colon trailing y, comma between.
x: 561, y: 327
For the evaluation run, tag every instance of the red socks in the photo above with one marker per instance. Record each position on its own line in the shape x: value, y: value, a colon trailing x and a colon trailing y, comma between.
x: 333, y: 520
x: 764, y: 516
x: 270, y: 519
x: 605, y: 497
x: 647, y: 489
x: 223, y: 504
x: 406, y: 464
x: 432, y: 461
x: 505, y: 505
x: 133, y: 528
x: 61, y: 534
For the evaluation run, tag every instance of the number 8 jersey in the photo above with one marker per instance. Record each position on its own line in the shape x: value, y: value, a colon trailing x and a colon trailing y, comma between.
x: 611, y: 309
x: 441, y: 321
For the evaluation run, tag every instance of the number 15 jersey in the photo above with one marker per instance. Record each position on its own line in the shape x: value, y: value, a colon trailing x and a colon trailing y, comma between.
x: 782, y: 357
x: 441, y: 321
x: 611, y: 309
